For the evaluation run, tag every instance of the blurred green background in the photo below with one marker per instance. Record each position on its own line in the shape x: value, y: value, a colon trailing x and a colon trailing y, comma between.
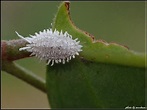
x: 120, y: 22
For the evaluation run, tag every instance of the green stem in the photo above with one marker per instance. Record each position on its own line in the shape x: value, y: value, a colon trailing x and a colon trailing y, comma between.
x: 23, y: 74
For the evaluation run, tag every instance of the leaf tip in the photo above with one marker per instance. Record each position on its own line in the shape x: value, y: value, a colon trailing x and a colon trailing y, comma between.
x: 67, y: 4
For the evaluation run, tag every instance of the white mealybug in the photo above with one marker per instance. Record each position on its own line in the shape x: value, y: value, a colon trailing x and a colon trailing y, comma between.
x: 52, y: 46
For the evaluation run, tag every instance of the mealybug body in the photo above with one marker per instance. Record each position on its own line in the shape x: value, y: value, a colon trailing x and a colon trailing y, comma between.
x: 52, y: 46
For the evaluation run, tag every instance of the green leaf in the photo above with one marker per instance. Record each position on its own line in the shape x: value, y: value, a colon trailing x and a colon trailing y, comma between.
x: 105, y: 74
x: 82, y: 84
x: 97, y: 50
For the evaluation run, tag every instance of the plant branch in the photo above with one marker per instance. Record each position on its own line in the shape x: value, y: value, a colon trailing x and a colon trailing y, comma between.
x: 24, y: 75
x: 10, y: 50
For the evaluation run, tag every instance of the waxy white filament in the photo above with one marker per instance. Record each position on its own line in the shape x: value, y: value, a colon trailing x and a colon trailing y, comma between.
x: 52, y: 46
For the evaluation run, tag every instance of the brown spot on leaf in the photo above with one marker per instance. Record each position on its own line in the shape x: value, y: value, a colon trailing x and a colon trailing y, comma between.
x: 67, y: 3
x: 89, y: 35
